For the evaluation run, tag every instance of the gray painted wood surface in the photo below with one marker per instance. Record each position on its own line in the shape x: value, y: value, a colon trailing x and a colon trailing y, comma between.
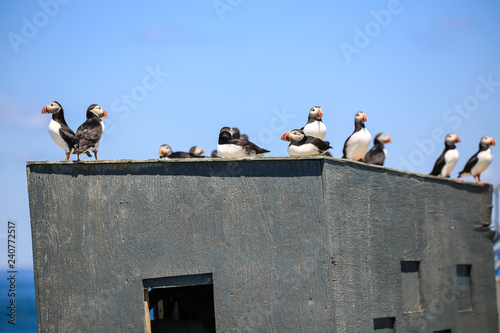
x: 294, y: 244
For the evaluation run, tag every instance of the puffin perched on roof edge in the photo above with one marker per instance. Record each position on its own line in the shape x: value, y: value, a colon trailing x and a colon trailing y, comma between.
x: 480, y: 160
x: 303, y: 145
x: 89, y: 134
x: 378, y: 153
x: 357, y: 143
x: 447, y: 161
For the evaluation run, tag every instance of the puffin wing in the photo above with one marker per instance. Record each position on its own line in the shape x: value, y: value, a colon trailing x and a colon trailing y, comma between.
x: 344, y: 150
x: 374, y: 156
x: 438, y: 166
x: 88, y: 134
x: 68, y: 135
x: 250, y: 147
x: 469, y: 165
x: 322, y: 145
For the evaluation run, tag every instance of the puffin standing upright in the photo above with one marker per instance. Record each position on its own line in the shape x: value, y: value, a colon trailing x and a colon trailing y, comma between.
x: 303, y: 145
x: 356, y: 145
x: 315, y: 126
x: 378, y: 153
x: 59, y: 131
x: 480, y: 160
x: 448, y: 159
x: 229, y: 147
x: 89, y: 134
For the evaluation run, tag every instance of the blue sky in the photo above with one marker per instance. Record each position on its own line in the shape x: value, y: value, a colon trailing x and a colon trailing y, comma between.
x: 177, y: 71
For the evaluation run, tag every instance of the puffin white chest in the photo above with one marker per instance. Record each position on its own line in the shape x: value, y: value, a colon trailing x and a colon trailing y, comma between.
x: 307, y: 149
x: 316, y: 128
x: 450, y: 161
x: 358, y: 144
x: 230, y: 150
x: 54, y: 127
x: 484, y: 159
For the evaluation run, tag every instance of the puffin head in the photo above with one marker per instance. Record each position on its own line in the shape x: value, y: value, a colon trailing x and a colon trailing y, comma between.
x: 316, y: 112
x: 225, y: 135
x: 98, y: 111
x: 487, y: 141
x: 52, y: 107
x: 360, y: 118
x: 382, y: 138
x: 293, y: 135
x: 451, y: 139
x: 196, y: 151
x: 165, y: 151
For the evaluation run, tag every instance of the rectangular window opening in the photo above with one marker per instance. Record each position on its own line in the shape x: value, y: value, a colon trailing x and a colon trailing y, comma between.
x: 410, y: 280
x: 464, y: 287
x: 384, y: 325
x: 180, y: 304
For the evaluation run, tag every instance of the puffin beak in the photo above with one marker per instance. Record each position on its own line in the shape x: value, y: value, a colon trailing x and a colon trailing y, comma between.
x: 105, y: 116
x: 492, y: 142
x: 389, y: 140
x: 202, y: 151
x: 160, y: 152
x: 46, y: 109
x: 284, y: 136
x: 365, y: 118
x: 319, y: 114
x: 457, y: 139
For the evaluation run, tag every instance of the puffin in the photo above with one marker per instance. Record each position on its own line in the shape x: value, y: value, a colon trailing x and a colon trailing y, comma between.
x: 229, y: 147
x: 59, y: 131
x: 480, y: 160
x: 196, y: 151
x: 356, y: 145
x: 303, y: 145
x: 89, y: 134
x: 378, y: 153
x: 214, y: 154
x: 448, y: 159
x: 315, y: 126
x: 164, y: 151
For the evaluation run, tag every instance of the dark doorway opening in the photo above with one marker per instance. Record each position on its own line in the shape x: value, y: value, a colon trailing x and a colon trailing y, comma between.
x: 180, y: 304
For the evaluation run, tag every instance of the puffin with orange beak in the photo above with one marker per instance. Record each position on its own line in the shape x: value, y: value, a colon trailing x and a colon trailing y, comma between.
x: 89, y: 134
x: 303, y: 145
x: 59, y: 131
x: 480, y: 160
x: 378, y: 153
x: 315, y: 126
x: 357, y: 143
x: 446, y: 162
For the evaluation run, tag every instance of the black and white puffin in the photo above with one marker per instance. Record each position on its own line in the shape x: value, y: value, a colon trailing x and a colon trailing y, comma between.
x: 89, y: 134
x: 448, y: 159
x: 196, y: 151
x: 164, y: 151
x: 356, y: 145
x: 378, y: 153
x: 229, y: 147
x: 315, y: 126
x: 303, y: 145
x: 480, y: 160
x: 59, y: 131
